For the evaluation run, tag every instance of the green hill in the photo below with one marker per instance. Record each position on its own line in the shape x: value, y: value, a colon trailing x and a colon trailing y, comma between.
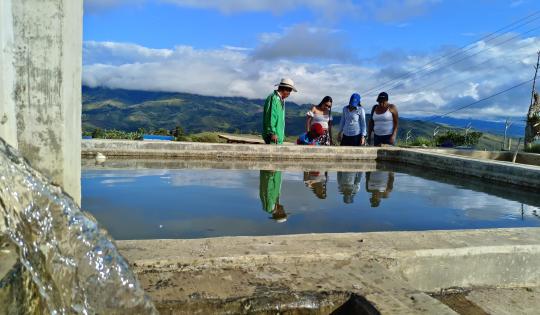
x: 130, y: 110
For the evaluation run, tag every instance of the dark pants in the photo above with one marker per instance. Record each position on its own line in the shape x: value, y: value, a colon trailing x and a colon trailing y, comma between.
x: 378, y: 140
x: 268, y: 139
x: 351, y: 141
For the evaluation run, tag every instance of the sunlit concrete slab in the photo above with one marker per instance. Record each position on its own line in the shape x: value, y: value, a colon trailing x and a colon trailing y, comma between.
x: 392, y: 270
x: 515, y: 301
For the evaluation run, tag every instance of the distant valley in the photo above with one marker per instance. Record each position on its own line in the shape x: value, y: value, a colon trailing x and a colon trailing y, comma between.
x: 129, y: 110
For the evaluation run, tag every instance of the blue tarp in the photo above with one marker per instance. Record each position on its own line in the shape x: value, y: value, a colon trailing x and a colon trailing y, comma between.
x: 87, y: 137
x: 157, y: 137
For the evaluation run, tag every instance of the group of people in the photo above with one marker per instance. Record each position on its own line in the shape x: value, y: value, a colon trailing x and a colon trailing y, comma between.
x: 382, y: 125
x: 379, y: 184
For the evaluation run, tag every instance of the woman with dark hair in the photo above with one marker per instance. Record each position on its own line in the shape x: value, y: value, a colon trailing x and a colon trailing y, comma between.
x: 321, y: 114
x: 383, y: 122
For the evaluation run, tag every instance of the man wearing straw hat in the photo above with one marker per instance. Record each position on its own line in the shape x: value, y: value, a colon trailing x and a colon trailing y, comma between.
x: 274, y: 112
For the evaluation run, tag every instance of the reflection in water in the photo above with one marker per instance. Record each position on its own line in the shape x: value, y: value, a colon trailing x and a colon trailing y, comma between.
x: 317, y: 182
x: 379, y: 184
x: 269, y: 191
x: 222, y: 204
x: 348, y: 185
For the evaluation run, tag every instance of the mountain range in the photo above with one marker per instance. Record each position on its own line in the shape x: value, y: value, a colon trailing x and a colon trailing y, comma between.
x: 130, y: 110
x: 516, y: 128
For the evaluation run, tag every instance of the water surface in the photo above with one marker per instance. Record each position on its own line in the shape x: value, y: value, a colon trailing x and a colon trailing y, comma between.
x: 196, y: 203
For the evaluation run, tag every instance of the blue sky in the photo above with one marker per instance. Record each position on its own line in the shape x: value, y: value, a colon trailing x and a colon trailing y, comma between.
x: 242, y: 47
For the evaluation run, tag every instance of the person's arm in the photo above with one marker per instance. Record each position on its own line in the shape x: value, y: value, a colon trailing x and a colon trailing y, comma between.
x: 274, y: 117
x: 267, y: 116
x: 341, y: 124
x: 330, y: 131
x: 395, y: 118
x: 362, y: 122
x: 309, y: 118
x: 370, y: 125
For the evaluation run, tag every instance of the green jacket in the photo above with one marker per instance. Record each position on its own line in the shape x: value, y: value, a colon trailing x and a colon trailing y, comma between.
x: 274, y: 117
x: 269, y: 189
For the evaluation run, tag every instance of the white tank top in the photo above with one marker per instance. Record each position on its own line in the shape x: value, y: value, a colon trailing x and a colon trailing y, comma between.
x: 378, y: 181
x: 320, y: 118
x: 383, y: 123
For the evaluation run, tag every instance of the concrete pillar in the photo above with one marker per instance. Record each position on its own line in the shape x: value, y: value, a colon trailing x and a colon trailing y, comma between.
x: 41, y: 88
x: 8, y: 124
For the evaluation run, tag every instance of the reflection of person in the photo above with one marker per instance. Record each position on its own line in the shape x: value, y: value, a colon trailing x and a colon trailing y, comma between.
x: 269, y: 191
x: 383, y: 122
x: 321, y: 114
x: 348, y: 185
x: 311, y: 137
x: 317, y: 182
x: 274, y: 113
x: 379, y: 184
x: 353, y: 123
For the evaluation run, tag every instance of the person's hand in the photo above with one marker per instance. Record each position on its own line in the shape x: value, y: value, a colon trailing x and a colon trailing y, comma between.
x: 274, y: 139
x: 362, y: 140
x: 340, y: 136
x: 393, y: 139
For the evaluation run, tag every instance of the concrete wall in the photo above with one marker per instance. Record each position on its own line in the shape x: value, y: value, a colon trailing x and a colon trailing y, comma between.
x: 487, y: 170
x: 8, y: 126
x: 40, y: 90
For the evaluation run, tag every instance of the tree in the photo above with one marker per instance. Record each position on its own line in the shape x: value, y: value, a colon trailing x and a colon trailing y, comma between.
x: 532, y: 129
x: 454, y: 138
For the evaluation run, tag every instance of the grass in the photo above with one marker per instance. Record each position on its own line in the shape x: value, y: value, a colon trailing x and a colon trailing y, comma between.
x: 209, y: 137
x: 535, y: 148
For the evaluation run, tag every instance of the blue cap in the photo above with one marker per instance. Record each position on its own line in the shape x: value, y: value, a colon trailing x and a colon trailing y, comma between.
x: 355, y: 100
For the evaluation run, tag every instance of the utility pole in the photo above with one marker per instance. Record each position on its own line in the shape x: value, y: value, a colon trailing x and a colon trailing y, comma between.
x: 467, y: 129
x: 436, y: 131
x: 532, y: 126
x: 507, y: 125
x: 408, y: 136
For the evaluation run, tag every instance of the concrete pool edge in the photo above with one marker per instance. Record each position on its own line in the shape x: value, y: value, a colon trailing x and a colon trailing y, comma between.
x: 393, y: 270
x: 492, y: 170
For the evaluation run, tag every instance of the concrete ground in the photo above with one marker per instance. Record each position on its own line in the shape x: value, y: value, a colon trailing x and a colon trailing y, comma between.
x: 442, y: 272
x: 493, y: 271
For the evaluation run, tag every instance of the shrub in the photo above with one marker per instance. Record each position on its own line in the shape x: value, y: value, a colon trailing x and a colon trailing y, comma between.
x: 422, y: 141
x: 99, y: 133
x: 535, y: 148
x: 206, y: 137
x: 454, y: 138
x: 161, y: 132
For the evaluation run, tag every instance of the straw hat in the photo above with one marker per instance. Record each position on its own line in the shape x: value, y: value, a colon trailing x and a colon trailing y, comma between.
x: 286, y: 82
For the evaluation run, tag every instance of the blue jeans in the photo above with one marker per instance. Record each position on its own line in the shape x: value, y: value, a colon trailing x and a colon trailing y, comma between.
x: 352, y: 141
x: 378, y: 140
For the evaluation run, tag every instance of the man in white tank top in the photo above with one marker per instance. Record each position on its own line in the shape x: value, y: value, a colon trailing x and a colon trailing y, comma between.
x: 383, y: 122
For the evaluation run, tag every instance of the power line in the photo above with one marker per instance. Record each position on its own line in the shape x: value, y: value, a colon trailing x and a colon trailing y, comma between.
x: 474, y: 66
x: 458, y: 51
x: 479, y: 101
x: 466, y: 57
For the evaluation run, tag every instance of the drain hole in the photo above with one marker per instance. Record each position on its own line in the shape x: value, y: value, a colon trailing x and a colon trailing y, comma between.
x: 357, y: 305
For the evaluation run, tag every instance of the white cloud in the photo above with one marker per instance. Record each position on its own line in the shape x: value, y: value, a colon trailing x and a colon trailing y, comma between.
x: 328, y: 7
x: 234, y: 72
x: 398, y: 10
x: 383, y: 10
x: 93, y: 6
x: 303, y: 41
x: 121, y: 53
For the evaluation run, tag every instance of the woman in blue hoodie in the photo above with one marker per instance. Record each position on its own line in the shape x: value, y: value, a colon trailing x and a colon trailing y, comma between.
x: 353, y: 129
